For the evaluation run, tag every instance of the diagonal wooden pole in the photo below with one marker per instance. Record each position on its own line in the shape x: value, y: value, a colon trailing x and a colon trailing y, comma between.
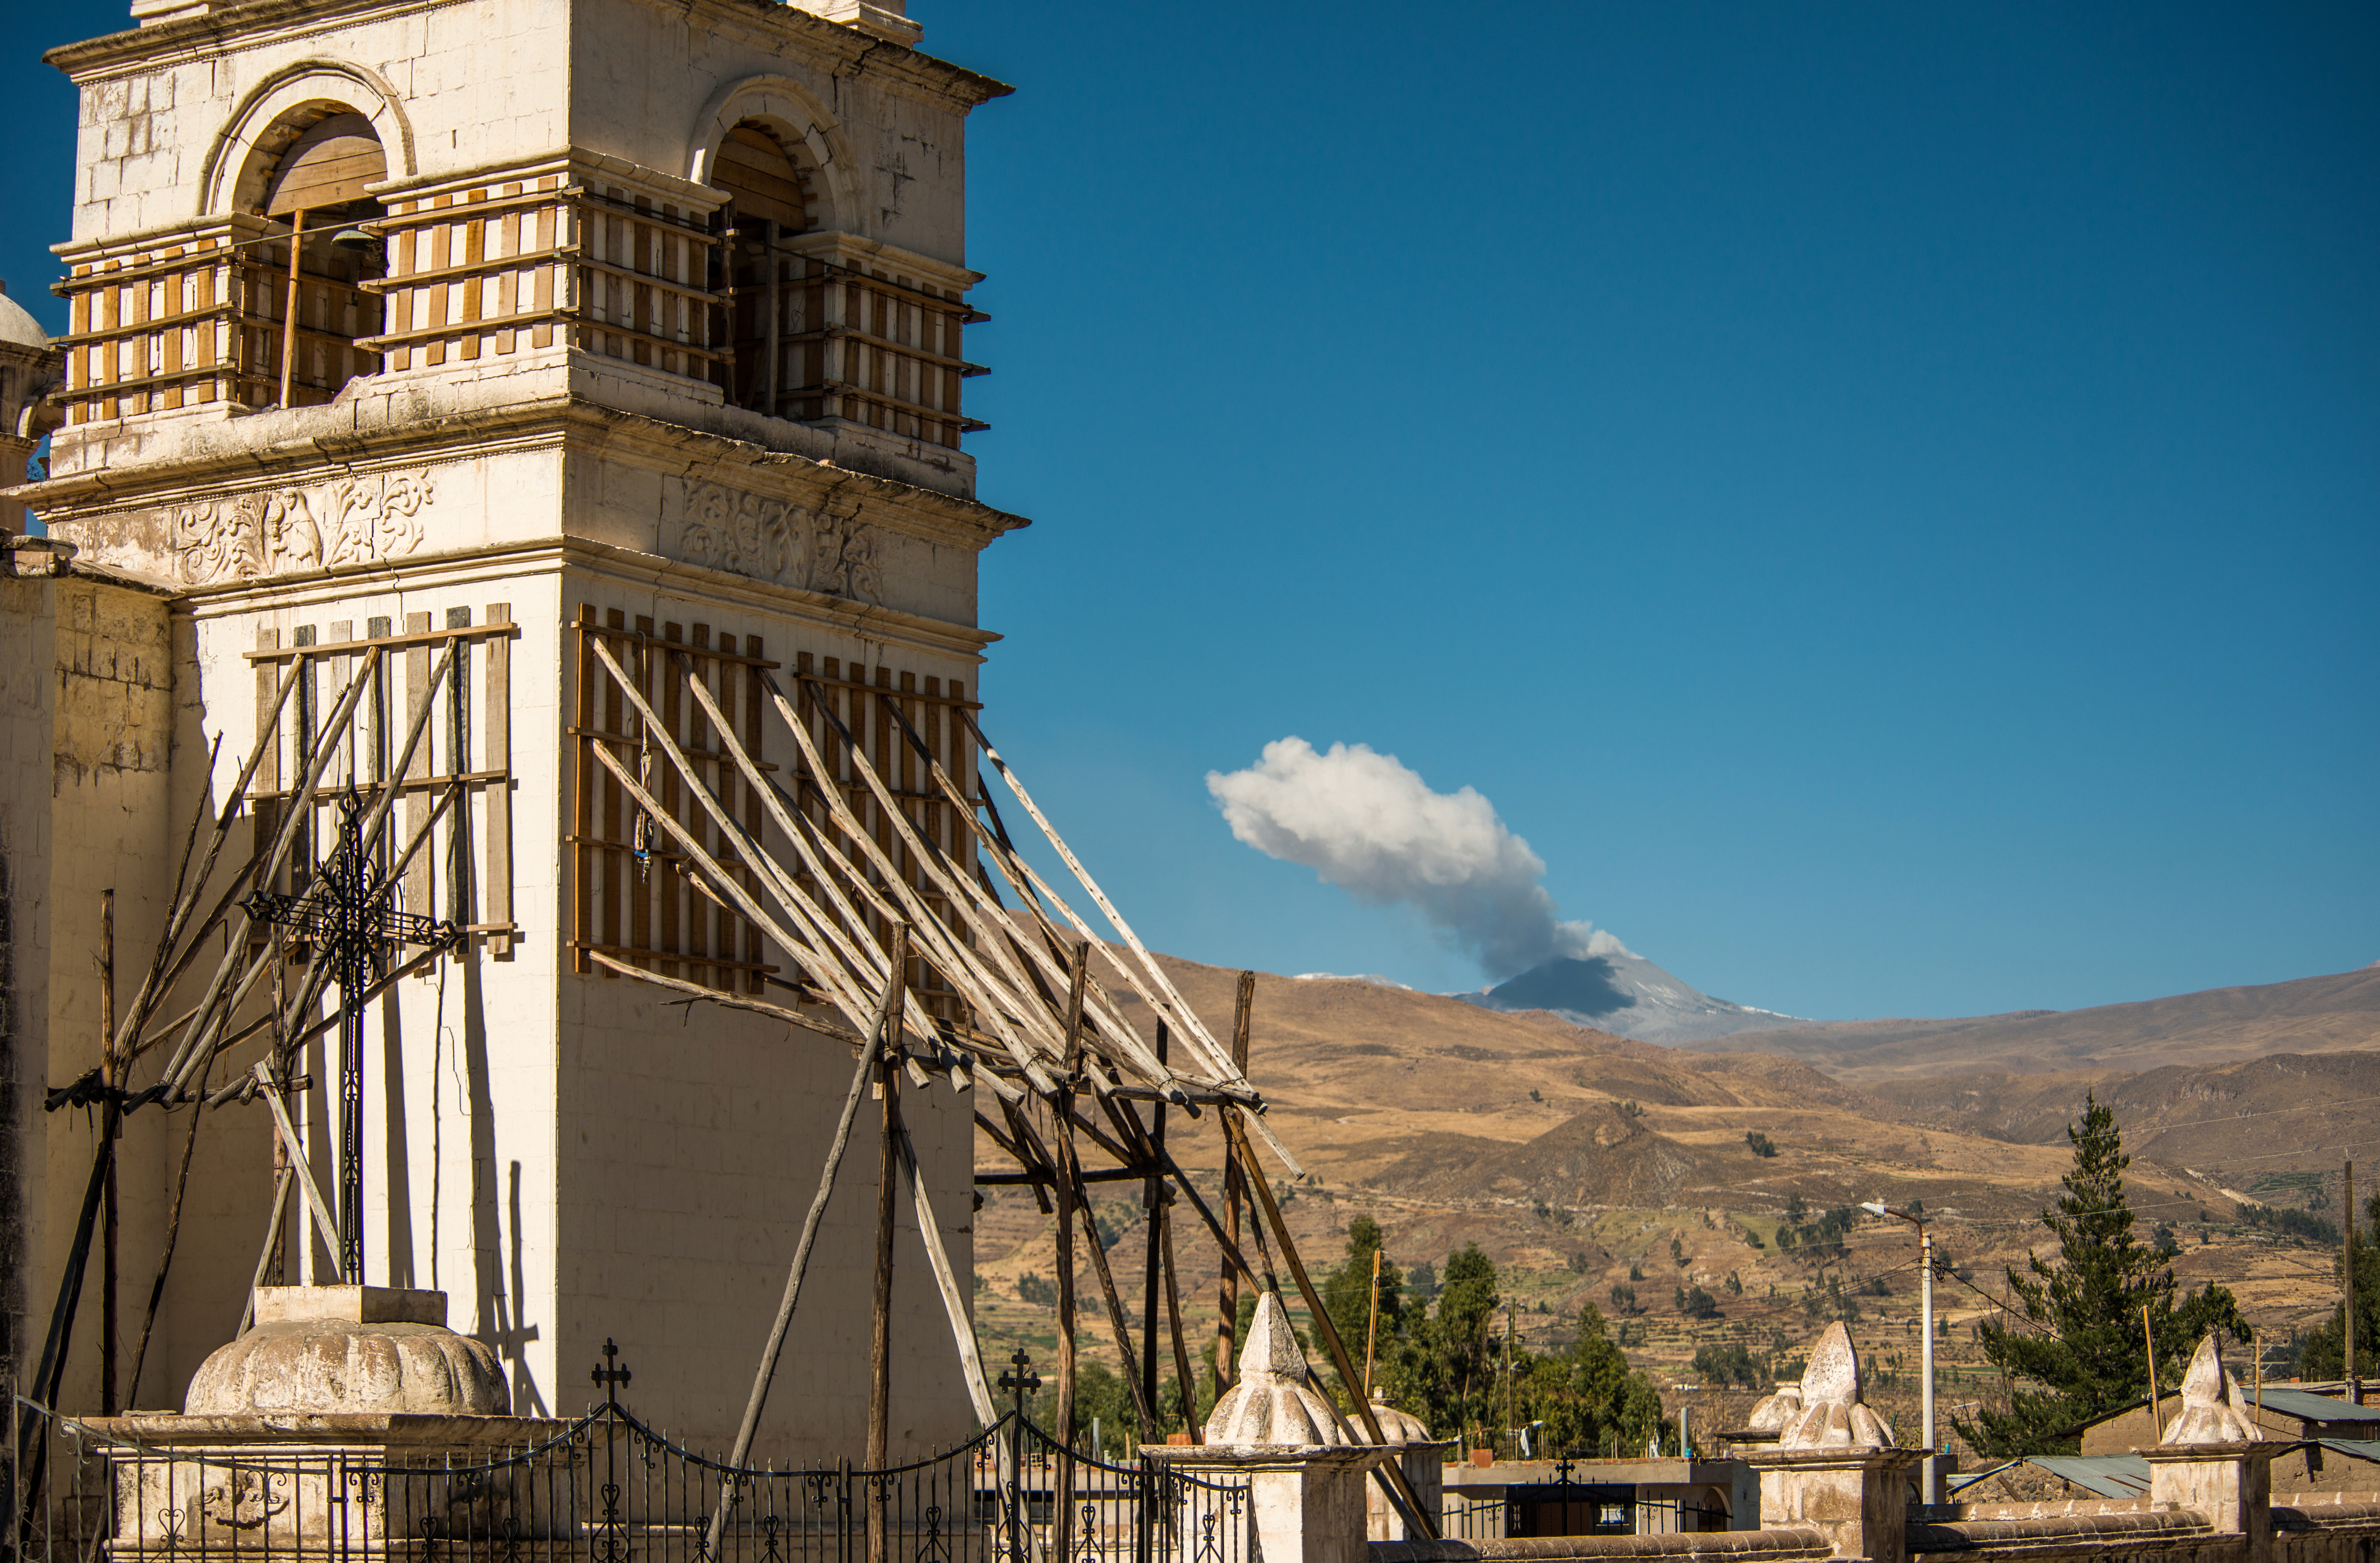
x: 868, y: 1055
x: 1188, y: 1384
x: 1067, y: 1187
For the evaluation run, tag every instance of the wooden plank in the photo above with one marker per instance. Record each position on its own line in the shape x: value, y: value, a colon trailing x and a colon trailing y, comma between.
x: 459, y: 884
x: 668, y: 875
x: 582, y: 931
x: 611, y: 907
x: 497, y: 717
x: 703, y: 918
x: 268, y: 739
x: 417, y: 803
x: 640, y: 884
x: 751, y: 736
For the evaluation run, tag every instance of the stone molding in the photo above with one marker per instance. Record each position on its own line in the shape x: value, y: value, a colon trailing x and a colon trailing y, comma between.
x: 290, y: 530
x: 317, y: 438
x: 889, y: 627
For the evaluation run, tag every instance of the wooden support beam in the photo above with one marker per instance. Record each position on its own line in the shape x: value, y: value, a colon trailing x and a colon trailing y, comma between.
x: 1043, y: 1179
x: 1188, y: 1383
x: 1063, y: 1105
x: 880, y: 1350
x: 110, y: 1124
x: 1153, y: 1200
x: 1227, y: 1318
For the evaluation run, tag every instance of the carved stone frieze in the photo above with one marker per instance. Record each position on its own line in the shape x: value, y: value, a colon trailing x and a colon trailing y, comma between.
x: 827, y: 550
x: 283, y: 531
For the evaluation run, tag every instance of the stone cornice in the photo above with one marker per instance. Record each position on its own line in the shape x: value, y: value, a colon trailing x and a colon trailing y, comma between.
x: 566, y: 422
x: 846, y: 50
x: 863, y: 620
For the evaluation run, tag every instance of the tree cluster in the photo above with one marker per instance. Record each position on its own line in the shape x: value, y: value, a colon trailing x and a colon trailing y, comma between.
x: 2324, y: 1353
x: 1452, y: 1361
x: 2291, y: 1222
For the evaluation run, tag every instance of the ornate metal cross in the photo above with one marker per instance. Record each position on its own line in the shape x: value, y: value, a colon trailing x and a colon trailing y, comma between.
x: 611, y: 1376
x: 349, y: 916
x: 1021, y: 1380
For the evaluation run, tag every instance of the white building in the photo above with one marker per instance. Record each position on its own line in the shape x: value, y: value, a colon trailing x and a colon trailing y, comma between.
x: 618, y: 322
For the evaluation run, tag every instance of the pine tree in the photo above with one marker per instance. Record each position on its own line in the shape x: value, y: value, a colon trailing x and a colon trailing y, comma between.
x: 2086, y: 1354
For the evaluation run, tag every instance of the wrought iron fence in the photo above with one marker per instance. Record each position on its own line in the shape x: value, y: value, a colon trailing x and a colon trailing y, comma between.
x: 605, y: 1488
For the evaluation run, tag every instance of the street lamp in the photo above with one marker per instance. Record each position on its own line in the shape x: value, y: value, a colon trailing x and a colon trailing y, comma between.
x: 1930, y: 1481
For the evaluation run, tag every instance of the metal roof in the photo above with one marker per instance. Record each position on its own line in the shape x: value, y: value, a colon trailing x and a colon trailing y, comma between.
x: 2309, y: 1406
x: 2354, y: 1448
x: 2112, y: 1476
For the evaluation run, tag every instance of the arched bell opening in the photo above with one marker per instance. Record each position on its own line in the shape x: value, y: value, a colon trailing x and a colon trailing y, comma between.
x: 774, y: 304
x: 309, y: 174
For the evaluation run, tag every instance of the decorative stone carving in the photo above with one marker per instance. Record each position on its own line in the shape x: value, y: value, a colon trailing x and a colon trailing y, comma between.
x: 1775, y: 1409
x: 2212, y: 1410
x: 282, y: 531
x: 771, y: 539
x: 242, y: 1501
x: 1272, y: 1403
x: 843, y: 559
x: 1833, y: 1413
x: 741, y: 533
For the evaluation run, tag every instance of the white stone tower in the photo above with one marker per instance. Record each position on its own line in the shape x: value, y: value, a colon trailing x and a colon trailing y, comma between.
x: 434, y: 346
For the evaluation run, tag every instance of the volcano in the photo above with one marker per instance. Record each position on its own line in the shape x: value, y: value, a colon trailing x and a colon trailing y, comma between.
x: 1627, y: 995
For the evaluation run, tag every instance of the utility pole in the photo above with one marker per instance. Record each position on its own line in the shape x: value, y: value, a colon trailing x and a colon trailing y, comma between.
x: 1930, y: 1484
x: 2354, y: 1379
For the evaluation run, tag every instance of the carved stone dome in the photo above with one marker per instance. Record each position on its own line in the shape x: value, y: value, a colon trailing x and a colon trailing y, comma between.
x: 1272, y: 1403
x: 17, y: 326
x: 1396, y: 1426
x: 323, y: 1364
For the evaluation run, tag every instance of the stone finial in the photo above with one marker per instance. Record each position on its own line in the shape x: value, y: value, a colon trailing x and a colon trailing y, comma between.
x: 1833, y: 1415
x: 2212, y: 1410
x: 1777, y: 1410
x: 1272, y: 1403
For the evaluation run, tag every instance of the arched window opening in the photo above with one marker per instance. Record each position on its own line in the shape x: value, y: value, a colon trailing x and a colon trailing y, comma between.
x: 773, y: 312
x: 315, y: 167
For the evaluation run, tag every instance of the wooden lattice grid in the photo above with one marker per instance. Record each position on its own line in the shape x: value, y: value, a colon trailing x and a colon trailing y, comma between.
x: 636, y: 898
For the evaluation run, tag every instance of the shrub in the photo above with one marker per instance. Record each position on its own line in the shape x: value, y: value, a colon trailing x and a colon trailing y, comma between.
x: 1762, y: 1145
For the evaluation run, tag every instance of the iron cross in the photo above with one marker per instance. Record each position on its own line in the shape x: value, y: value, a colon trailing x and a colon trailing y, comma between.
x: 348, y: 915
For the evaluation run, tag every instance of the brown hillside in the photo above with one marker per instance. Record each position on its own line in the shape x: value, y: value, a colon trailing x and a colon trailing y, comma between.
x: 1602, y: 1157
x: 1449, y: 1125
x: 2316, y: 1014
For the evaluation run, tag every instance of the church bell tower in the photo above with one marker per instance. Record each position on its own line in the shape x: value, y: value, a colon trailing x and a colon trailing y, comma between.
x: 480, y: 386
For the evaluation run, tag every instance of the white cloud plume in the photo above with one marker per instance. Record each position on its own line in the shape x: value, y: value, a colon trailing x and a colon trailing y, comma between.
x: 1364, y: 822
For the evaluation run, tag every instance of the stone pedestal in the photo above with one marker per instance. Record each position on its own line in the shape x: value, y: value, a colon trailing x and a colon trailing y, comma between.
x: 1858, y: 1499
x: 1305, y: 1503
x: 348, y: 1418
x: 1273, y: 1432
x: 2232, y: 1483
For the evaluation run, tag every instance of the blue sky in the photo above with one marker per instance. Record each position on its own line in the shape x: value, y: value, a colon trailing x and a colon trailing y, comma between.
x: 1881, y: 497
